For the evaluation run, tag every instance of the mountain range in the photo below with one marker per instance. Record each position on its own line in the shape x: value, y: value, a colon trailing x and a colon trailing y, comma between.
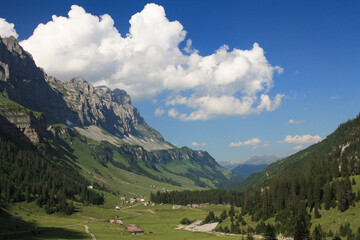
x: 250, y: 166
x: 96, y: 131
x: 70, y: 144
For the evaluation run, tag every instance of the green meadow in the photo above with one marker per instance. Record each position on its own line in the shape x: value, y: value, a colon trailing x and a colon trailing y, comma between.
x: 159, y: 222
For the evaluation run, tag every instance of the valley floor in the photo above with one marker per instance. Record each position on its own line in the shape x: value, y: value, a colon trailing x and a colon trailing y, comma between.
x: 91, y: 222
x: 158, y: 222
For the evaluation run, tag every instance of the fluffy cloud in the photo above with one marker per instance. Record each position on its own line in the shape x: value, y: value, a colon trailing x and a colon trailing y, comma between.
x: 253, y: 143
x: 304, y: 139
x: 292, y: 121
x: 298, y: 147
x: 198, y: 144
x: 7, y: 29
x: 148, y: 61
x: 159, y: 112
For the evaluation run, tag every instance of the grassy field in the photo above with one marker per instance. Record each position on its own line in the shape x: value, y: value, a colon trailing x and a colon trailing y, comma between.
x: 159, y: 222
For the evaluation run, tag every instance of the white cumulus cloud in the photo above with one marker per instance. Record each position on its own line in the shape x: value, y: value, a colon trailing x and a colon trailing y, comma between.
x: 304, y: 139
x: 147, y: 62
x: 266, y: 145
x: 198, y: 144
x: 159, y: 112
x: 292, y: 121
x: 253, y: 143
x: 7, y: 29
x: 298, y: 147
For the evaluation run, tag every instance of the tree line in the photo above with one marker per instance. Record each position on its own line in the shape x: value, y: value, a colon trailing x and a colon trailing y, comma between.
x: 323, y: 183
x: 26, y: 175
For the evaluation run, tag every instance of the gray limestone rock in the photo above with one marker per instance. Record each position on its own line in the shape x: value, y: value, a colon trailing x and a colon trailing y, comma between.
x: 75, y: 102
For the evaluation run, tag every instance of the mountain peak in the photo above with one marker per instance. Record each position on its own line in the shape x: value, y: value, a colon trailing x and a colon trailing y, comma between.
x: 76, y: 101
x: 120, y: 96
x: 265, y: 159
x: 12, y: 44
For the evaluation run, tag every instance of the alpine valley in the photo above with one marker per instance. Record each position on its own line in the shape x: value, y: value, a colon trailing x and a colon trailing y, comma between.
x: 94, y: 132
x: 78, y: 162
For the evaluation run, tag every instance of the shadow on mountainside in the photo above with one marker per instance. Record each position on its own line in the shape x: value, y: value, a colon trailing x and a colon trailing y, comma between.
x: 19, y: 229
x: 26, y: 84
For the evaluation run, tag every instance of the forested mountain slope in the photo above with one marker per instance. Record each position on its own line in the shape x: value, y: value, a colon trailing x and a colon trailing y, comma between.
x: 319, y: 185
x: 339, y: 152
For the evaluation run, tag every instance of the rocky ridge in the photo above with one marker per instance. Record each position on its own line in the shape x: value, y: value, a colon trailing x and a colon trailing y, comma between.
x: 77, y: 111
x: 19, y: 122
x: 109, y: 109
x: 75, y: 103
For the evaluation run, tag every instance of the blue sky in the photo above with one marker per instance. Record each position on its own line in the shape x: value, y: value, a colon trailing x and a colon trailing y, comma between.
x: 310, y: 58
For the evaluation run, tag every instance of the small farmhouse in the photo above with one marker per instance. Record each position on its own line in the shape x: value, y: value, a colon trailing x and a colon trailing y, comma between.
x: 137, y: 231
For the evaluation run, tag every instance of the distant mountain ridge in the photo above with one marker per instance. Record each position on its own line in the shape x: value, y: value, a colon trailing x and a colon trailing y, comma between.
x: 259, y: 160
x: 250, y: 166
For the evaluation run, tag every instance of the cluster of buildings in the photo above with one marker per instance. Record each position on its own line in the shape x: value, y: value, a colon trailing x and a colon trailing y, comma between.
x: 131, y: 228
x: 118, y: 221
x: 197, y: 205
x: 191, y: 205
x: 135, y: 200
x: 134, y: 229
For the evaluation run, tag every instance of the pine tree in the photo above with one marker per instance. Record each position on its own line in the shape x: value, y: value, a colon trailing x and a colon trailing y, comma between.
x: 316, y: 212
x: 301, y: 229
x: 342, y: 196
x: 71, y: 208
x: 336, y: 237
x: 231, y: 211
x: 270, y: 232
x: 317, y: 192
x: 27, y: 194
x: 317, y: 233
x: 327, y: 198
x: 223, y: 215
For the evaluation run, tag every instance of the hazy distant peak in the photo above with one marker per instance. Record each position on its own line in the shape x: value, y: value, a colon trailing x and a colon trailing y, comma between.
x: 265, y: 159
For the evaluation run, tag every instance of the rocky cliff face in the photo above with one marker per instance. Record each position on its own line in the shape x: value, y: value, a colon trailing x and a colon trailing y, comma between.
x: 23, y: 82
x: 22, y: 123
x: 76, y: 102
x: 28, y: 96
x: 169, y: 155
x: 100, y: 106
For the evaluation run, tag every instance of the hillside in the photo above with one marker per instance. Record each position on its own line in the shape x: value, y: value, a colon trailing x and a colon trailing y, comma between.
x: 314, y: 191
x: 341, y: 148
x: 96, y: 131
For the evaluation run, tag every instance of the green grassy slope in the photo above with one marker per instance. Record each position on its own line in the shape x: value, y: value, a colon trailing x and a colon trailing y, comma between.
x: 344, y: 142
x: 123, y: 168
x: 9, y: 106
x: 132, y: 171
